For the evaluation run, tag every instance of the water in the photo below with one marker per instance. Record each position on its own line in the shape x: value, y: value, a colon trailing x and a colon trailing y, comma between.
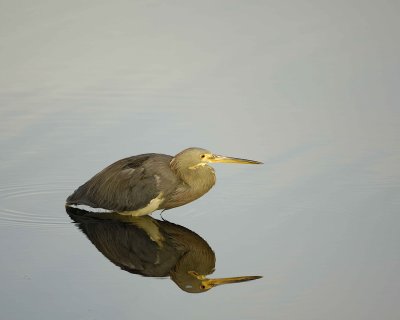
x: 308, y: 89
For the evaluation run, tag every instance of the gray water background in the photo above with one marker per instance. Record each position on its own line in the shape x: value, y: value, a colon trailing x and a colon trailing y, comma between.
x: 311, y: 88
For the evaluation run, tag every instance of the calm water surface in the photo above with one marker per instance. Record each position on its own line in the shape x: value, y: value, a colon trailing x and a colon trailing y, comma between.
x: 311, y: 90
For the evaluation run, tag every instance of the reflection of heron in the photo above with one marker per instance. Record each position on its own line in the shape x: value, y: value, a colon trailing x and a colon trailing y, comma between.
x: 148, y: 182
x: 153, y: 248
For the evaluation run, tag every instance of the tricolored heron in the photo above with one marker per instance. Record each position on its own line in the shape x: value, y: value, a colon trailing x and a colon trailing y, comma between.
x: 144, y: 183
x: 153, y: 248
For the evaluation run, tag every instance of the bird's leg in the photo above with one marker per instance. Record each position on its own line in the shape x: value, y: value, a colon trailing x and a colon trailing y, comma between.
x: 162, y: 216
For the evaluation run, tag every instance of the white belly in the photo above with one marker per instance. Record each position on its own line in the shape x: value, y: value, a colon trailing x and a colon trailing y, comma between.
x: 153, y: 205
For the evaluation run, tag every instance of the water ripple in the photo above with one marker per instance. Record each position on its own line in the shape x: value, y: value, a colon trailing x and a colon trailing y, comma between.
x: 30, y: 205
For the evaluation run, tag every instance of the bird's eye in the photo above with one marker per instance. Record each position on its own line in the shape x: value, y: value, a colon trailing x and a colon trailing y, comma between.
x: 203, y: 156
x: 202, y: 286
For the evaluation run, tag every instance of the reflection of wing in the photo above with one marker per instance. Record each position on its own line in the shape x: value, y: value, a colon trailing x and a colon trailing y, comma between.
x: 131, y: 249
x: 125, y: 185
x: 128, y: 245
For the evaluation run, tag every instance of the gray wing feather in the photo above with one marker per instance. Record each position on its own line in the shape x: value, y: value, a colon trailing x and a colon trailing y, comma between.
x: 123, y: 186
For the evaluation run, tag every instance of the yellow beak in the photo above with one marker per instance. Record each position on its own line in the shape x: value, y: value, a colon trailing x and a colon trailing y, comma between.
x: 222, y: 159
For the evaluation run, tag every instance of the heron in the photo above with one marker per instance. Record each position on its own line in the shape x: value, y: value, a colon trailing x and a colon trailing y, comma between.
x: 141, y: 184
x: 153, y: 248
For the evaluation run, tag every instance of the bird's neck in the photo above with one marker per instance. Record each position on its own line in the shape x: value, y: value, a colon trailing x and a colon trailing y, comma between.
x: 195, y: 183
x: 199, y: 179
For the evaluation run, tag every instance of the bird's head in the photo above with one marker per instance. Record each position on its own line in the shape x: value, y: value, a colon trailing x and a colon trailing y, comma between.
x: 198, y: 283
x: 193, y: 158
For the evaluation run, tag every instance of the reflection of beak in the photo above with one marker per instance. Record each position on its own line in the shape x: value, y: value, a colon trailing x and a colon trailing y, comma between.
x: 218, y: 281
x: 209, y: 283
x: 222, y: 159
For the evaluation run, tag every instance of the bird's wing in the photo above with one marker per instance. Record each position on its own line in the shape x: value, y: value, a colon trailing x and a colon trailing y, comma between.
x: 123, y: 186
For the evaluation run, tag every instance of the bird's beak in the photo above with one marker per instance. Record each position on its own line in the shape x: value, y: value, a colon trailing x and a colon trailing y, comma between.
x: 218, y: 281
x: 214, y: 158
